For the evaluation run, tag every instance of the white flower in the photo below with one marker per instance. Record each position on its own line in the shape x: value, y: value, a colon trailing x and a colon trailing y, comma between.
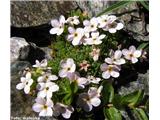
x: 84, y: 65
x: 95, y: 39
x: 46, y: 89
x: 58, y: 26
x: 25, y: 84
x: 115, y: 58
x: 43, y: 107
x: 112, y: 26
x: 75, y: 35
x: 93, y: 79
x: 47, y: 77
x: 95, y: 54
x: 91, y: 25
x: 109, y: 70
x: 81, y: 81
x: 65, y: 110
x: 73, y: 20
x: 41, y: 64
x: 90, y: 99
x: 102, y: 21
x: 68, y: 66
x: 132, y: 54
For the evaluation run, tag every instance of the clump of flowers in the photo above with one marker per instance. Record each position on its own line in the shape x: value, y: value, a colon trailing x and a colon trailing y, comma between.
x: 75, y: 81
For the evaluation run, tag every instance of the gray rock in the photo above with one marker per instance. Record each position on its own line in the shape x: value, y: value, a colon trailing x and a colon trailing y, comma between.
x: 32, y: 13
x: 140, y: 84
x: 18, y: 66
x: 19, y: 48
x: 94, y: 7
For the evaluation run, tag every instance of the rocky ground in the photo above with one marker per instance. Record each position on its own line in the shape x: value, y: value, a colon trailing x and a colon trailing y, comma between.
x: 25, y: 51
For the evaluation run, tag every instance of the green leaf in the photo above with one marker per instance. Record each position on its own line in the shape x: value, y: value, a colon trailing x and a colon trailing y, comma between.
x: 144, y: 4
x: 132, y: 99
x: 142, y: 46
x: 74, y: 87
x: 115, y: 6
x: 107, y: 92
x: 112, y: 114
x: 140, y: 114
x: 67, y: 100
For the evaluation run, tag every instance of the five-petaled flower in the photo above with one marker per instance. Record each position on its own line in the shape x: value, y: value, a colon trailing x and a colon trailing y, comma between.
x: 65, y: 110
x: 110, y: 70
x: 43, y: 106
x: 116, y: 58
x: 26, y: 82
x: 75, y: 77
x: 90, y: 99
x: 132, y: 54
x: 95, y: 54
x: 91, y: 25
x: 42, y: 64
x: 68, y: 66
x: 92, y: 79
x: 84, y: 65
x: 47, y: 77
x: 73, y: 20
x: 58, y: 26
x: 46, y: 89
x: 95, y: 39
x: 75, y: 35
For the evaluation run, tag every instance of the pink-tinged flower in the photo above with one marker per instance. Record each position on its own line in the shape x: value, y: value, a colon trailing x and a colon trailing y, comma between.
x: 84, y: 65
x: 43, y: 106
x: 115, y: 58
x: 92, y: 79
x: 46, y: 89
x: 75, y: 77
x: 90, y: 99
x: 108, y: 23
x: 73, y: 20
x: 95, y: 39
x: 75, y: 35
x: 25, y: 84
x: 58, y: 26
x: 91, y: 25
x: 132, y: 54
x: 65, y: 110
x: 47, y: 77
x: 109, y: 70
x: 95, y: 54
x: 67, y: 66
x: 42, y: 64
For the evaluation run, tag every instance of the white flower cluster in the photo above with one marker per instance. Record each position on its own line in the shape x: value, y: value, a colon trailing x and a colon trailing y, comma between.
x: 111, y: 67
x: 89, y: 33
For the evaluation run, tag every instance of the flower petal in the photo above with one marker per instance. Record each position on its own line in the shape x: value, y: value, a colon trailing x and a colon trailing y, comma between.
x: 114, y: 74
x: 134, y: 60
x: 54, y: 23
x: 54, y: 30
x: 112, y: 30
x: 62, y: 73
x: 20, y: 86
x: 43, y: 113
x: 42, y: 93
x: 53, y: 77
x: 27, y: 89
x: 71, y: 30
x: 49, y: 112
x: 132, y: 49
x: 119, y: 26
x: 108, y: 60
x: 104, y: 67
x: 67, y: 114
x: 137, y: 53
x: 117, y: 54
x: 54, y: 88
x: 37, y: 107
x: 106, y: 75
x: 95, y: 101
